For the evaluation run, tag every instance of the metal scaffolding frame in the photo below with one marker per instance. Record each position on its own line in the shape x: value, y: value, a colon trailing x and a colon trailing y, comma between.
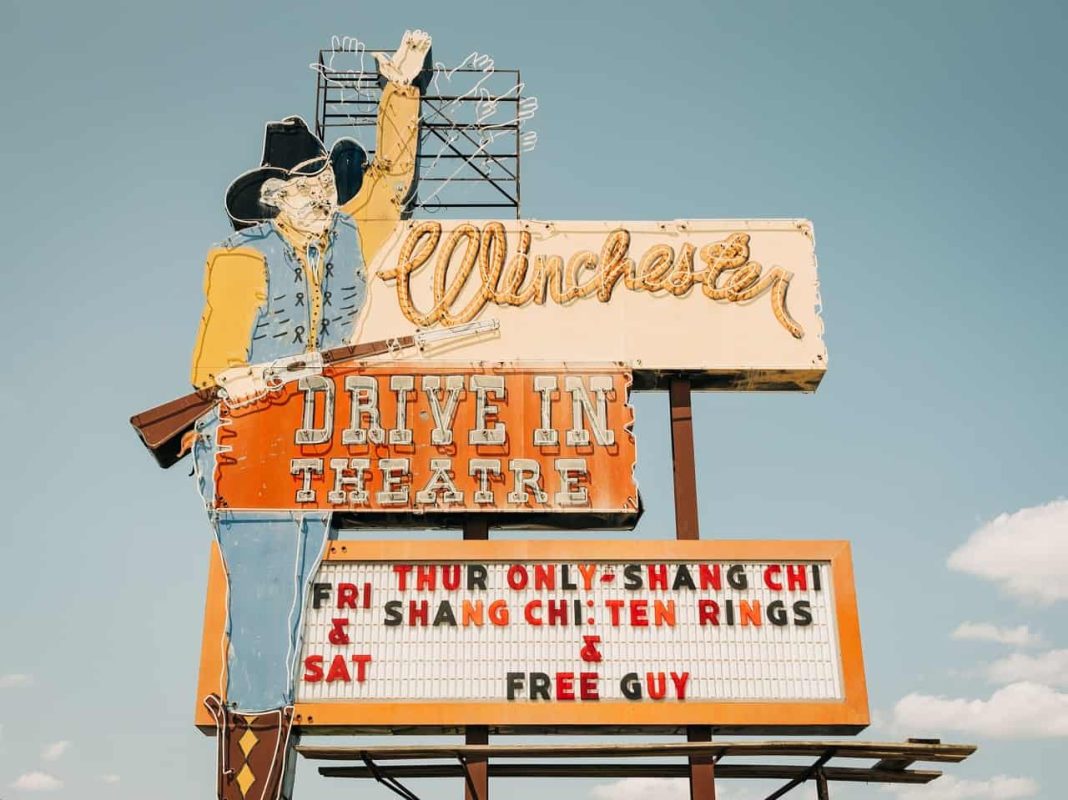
x: 891, y: 762
x: 346, y: 102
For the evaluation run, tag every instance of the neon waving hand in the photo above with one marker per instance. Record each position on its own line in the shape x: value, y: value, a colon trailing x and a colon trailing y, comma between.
x: 411, y: 58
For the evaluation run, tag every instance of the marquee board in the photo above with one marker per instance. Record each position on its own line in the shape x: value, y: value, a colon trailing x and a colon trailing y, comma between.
x: 751, y: 636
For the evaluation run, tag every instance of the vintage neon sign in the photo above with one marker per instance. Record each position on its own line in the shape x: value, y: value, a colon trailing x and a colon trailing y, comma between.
x: 728, y: 273
x: 404, y: 437
x: 318, y: 404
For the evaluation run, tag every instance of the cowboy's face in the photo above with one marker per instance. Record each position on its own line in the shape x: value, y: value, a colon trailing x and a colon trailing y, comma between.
x: 305, y: 202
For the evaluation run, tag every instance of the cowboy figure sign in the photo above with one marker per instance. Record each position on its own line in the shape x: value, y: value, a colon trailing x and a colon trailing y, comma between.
x: 290, y: 281
x: 327, y: 268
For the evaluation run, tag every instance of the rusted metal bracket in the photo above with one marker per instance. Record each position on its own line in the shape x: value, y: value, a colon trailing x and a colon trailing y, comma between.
x: 388, y: 781
x: 468, y: 779
x: 815, y: 770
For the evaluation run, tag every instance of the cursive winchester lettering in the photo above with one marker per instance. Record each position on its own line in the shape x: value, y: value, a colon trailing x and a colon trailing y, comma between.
x: 727, y: 274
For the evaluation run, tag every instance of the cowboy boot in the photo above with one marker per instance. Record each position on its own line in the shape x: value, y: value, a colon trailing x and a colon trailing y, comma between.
x: 256, y: 758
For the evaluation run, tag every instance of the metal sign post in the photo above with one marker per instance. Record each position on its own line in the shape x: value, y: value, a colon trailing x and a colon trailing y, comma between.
x: 684, y: 470
x: 476, y: 768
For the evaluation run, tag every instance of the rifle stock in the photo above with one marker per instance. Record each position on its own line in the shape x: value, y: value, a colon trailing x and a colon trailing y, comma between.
x: 162, y: 428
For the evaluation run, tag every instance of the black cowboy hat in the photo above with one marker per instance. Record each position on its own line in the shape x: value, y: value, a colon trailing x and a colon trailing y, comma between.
x: 290, y: 149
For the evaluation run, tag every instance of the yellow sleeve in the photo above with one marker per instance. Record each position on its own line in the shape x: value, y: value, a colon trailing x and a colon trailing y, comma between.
x: 387, y: 185
x: 235, y: 287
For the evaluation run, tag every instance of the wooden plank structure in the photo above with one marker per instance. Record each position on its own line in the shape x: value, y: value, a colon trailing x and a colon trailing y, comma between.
x: 891, y: 762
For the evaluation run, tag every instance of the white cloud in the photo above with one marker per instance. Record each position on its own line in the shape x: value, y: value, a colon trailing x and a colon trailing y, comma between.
x: 15, y: 680
x: 643, y: 789
x: 1020, y: 636
x: 111, y: 778
x: 671, y: 789
x: 1050, y: 668
x: 948, y: 787
x: 37, y: 782
x: 1026, y: 553
x: 54, y: 751
x: 1018, y: 711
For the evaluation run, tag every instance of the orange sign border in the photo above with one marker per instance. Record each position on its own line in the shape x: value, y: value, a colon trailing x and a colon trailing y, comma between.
x: 847, y: 716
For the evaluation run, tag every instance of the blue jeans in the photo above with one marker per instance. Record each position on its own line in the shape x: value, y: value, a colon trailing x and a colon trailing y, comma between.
x: 270, y: 558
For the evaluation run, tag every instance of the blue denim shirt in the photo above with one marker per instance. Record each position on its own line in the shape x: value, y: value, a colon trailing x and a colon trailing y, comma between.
x: 284, y: 324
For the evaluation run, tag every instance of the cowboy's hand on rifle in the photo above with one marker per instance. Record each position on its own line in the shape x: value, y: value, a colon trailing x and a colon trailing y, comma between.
x: 410, y: 60
x: 240, y: 386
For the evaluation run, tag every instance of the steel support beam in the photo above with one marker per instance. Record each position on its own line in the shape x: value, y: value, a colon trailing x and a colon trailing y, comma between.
x: 476, y: 769
x: 682, y: 459
x: 702, y: 770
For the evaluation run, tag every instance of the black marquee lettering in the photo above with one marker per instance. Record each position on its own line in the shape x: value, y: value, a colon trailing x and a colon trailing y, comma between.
x: 736, y: 577
x: 476, y: 577
x: 683, y: 578
x: 515, y: 684
x: 539, y: 686
x: 777, y: 612
x: 631, y: 686
x: 445, y: 615
x: 394, y: 615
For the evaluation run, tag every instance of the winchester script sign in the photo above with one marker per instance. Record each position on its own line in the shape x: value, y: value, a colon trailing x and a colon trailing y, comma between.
x: 732, y: 302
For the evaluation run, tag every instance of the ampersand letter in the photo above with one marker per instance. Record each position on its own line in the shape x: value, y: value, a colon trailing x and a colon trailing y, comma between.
x: 589, y: 651
x: 337, y: 633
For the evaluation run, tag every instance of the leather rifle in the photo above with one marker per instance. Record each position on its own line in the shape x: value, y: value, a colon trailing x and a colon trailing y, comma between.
x: 163, y: 427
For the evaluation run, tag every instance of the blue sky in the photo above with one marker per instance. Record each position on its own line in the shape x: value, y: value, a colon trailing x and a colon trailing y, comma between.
x: 925, y: 141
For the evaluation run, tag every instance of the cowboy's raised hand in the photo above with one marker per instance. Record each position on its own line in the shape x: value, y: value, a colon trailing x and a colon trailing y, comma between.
x: 411, y: 58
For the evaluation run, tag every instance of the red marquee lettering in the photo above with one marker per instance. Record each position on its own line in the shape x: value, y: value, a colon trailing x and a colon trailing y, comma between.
x: 773, y: 571
x: 707, y: 612
x: 565, y: 686
x: 710, y: 576
x: 450, y: 577
x: 557, y: 612
x: 401, y: 571
x: 796, y: 577
x: 657, y: 576
x: 680, y: 684
x: 517, y: 577
x: 339, y: 670
x: 656, y: 683
x: 588, y: 686
x: 346, y: 595
x: 545, y: 576
x: 639, y: 613
x: 426, y: 577
x: 361, y: 662
x: 528, y: 612
x: 418, y: 611
x: 313, y: 669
